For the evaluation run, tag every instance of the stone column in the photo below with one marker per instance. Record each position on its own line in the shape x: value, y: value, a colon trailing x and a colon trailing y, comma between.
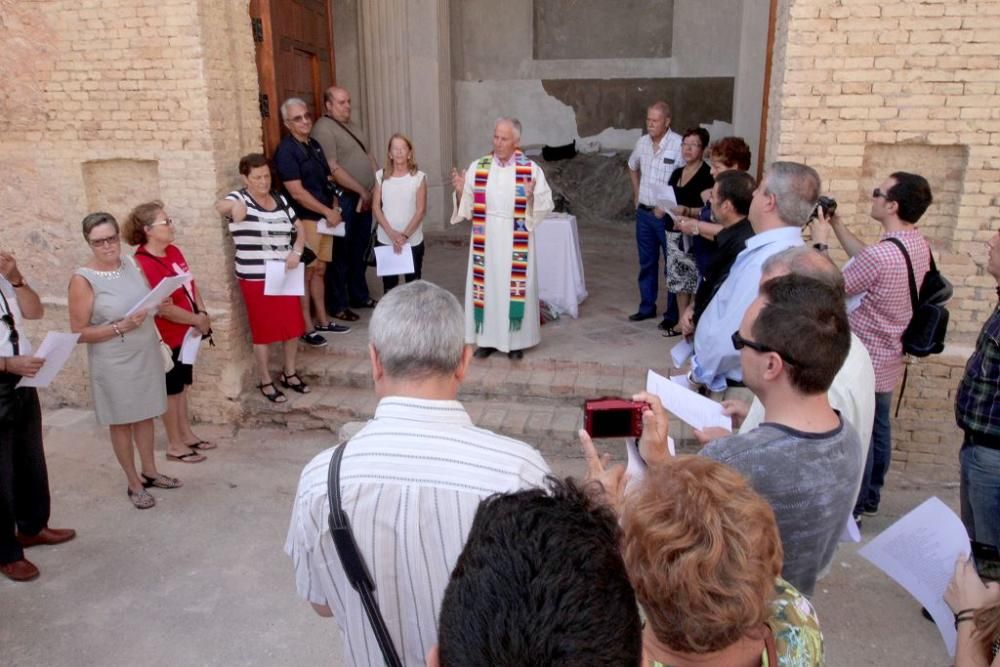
x: 405, y: 58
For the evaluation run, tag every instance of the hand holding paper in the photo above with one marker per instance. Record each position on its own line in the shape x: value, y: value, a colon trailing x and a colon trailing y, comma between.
x: 55, y: 350
x: 279, y: 282
x: 388, y: 263
x: 689, y: 406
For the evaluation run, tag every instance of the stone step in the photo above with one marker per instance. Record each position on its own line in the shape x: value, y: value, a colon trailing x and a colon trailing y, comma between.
x: 544, y: 380
x: 549, y: 427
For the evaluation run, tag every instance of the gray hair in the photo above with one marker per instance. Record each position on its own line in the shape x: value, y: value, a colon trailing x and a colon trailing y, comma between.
x: 795, y: 188
x: 96, y: 220
x: 513, y: 122
x: 418, y: 331
x: 662, y: 107
x: 804, y: 261
x: 291, y: 102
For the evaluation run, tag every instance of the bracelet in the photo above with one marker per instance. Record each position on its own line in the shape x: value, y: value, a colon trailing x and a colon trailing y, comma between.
x: 121, y: 334
x: 961, y: 619
x: 970, y: 610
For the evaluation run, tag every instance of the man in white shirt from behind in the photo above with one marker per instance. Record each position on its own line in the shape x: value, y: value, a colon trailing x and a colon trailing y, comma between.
x: 411, y: 480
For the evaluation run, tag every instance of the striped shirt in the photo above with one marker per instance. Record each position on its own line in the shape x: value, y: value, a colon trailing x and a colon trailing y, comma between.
x: 411, y: 482
x: 262, y: 236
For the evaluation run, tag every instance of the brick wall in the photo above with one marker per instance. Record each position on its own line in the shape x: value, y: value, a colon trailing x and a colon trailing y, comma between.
x: 861, y: 89
x: 108, y: 104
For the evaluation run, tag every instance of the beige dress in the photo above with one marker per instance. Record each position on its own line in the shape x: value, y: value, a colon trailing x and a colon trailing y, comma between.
x: 127, y: 382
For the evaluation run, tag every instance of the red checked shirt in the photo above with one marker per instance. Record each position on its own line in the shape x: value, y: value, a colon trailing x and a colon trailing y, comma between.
x: 879, y: 273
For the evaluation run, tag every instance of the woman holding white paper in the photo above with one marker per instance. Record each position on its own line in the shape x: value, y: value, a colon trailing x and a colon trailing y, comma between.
x: 123, y: 354
x: 149, y: 228
x: 399, y: 203
x: 261, y: 223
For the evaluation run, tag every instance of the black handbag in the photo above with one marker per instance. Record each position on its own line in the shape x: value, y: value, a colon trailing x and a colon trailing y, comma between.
x: 370, y: 249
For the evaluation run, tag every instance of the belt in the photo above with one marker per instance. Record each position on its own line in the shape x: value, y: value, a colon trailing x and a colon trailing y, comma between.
x: 982, y: 440
x: 644, y: 207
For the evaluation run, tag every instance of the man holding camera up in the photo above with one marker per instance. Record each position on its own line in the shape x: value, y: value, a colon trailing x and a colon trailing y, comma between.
x: 877, y: 283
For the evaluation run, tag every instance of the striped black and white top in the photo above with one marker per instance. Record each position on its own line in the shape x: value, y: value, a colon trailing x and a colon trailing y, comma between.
x: 262, y: 236
x: 411, y: 481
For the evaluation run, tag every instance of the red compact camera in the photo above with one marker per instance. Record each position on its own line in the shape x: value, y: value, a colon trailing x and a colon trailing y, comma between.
x: 613, y: 417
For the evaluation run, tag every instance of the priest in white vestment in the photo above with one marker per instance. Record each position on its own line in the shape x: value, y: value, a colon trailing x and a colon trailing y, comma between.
x: 501, y: 288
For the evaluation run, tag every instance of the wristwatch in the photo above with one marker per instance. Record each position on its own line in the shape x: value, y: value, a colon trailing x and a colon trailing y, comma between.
x: 822, y: 247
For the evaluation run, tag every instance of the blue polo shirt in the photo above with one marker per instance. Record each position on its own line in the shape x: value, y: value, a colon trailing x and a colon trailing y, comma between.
x: 304, y: 161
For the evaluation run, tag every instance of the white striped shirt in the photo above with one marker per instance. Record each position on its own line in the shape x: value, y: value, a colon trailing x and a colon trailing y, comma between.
x: 655, y: 165
x: 262, y: 236
x: 411, y: 481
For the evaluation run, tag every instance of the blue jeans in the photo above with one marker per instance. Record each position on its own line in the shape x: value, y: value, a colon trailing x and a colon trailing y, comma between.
x: 980, y: 492
x: 879, y: 455
x: 651, y: 241
x: 346, y: 283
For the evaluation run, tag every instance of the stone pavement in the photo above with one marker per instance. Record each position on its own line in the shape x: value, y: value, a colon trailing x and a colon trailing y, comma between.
x: 201, y: 579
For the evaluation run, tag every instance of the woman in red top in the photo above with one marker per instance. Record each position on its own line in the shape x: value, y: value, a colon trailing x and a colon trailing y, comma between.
x: 149, y: 227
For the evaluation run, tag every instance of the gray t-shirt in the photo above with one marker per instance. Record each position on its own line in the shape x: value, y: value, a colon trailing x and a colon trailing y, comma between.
x: 809, y: 480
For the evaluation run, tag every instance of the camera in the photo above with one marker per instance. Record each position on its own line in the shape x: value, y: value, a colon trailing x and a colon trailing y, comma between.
x: 829, y: 206
x: 609, y: 417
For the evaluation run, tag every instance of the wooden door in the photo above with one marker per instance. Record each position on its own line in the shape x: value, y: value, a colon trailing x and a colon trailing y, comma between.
x: 294, y: 44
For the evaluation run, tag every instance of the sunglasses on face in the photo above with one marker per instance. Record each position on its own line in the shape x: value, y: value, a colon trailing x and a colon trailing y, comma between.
x: 169, y: 222
x: 739, y: 342
x: 877, y: 193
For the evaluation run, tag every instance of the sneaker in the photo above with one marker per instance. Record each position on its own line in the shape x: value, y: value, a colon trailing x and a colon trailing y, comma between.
x: 313, y: 339
x: 870, y: 510
x: 333, y: 328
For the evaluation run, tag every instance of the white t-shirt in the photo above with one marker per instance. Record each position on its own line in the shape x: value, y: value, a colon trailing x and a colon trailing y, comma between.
x: 399, y: 203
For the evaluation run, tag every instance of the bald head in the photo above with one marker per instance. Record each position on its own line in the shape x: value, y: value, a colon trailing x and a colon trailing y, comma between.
x: 338, y: 103
x: 803, y: 261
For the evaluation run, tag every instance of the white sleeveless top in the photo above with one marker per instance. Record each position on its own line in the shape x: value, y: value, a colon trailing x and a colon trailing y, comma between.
x: 399, y: 203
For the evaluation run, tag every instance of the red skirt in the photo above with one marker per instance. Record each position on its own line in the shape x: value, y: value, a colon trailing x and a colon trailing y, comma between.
x: 272, y: 318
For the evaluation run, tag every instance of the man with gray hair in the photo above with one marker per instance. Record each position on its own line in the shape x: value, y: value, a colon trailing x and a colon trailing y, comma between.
x: 505, y: 195
x: 782, y: 204
x: 411, y: 480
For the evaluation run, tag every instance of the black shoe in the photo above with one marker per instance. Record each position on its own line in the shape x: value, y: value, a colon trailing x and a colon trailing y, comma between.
x: 639, y: 317
x: 870, y: 510
x: 514, y: 355
x: 333, y: 328
x: 313, y: 339
x: 370, y: 303
x: 483, y: 352
x: 666, y: 325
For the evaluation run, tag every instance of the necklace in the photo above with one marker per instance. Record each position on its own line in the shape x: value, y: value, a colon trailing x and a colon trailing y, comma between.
x: 111, y: 275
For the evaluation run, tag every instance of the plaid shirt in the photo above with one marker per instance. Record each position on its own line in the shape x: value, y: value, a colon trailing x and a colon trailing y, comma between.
x: 655, y: 166
x: 879, y: 272
x: 977, y: 407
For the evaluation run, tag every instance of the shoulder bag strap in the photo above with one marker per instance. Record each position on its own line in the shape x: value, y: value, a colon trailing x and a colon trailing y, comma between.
x: 345, y: 129
x: 146, y: 253
x: 14, y: 335
x: 772, y: 650
x: 354, y: 562
x: 909, y: 268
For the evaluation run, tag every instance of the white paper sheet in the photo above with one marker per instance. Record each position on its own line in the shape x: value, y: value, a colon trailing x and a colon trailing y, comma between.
x: 388, y: 263
x: 55, y: 350
x: 690, y: 407
x: 159, y: 294
x: 681, y: 352
x: 665, y: 198
x: 190, y: 346
x: 323, y: 227
x: 919, y: 553
x: 635, y: 467
x: 279, y: 282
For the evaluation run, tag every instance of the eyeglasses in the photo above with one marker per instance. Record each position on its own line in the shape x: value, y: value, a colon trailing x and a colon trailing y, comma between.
x: 876, y: 193
x: 168, y: 221
x: 107, y: 241
x: 688, y: 144
x: 739, y: 342
x: 301, y: 117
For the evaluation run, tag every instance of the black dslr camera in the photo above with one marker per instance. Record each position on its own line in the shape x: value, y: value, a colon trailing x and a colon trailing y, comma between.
x: 829, y: 206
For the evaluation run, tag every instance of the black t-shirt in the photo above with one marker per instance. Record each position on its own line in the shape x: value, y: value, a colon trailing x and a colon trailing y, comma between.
x: 689, y: 194
x: 730, y: 242
x: 304, y: 161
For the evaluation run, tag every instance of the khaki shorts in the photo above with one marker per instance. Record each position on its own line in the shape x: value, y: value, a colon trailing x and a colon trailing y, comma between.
x: 321, y: 244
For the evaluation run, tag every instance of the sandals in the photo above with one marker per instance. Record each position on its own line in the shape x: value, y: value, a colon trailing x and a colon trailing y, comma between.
x: 142, y: 499
x: 298, y: 386
x: 275, y: 395
x: 670, y: 332
x: 203, y: 445
x: 369, y: 303
x: 347, y: 315
x: 160, y: 481
x: 190, y: 457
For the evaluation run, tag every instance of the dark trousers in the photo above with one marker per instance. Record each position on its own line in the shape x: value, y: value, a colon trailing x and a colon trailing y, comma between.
x: 651, y: 241
x: 388, y: 282
x: 879, y: 455
x: 346, y: 284
x: 24, y: 480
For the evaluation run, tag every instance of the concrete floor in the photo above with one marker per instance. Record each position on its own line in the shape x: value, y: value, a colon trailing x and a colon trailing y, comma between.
x: 201, y: 579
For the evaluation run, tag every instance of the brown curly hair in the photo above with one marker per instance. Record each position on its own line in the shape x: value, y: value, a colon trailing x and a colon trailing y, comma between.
x: 732, y: 152
x: 142, y: 216
x: 702, y: 550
